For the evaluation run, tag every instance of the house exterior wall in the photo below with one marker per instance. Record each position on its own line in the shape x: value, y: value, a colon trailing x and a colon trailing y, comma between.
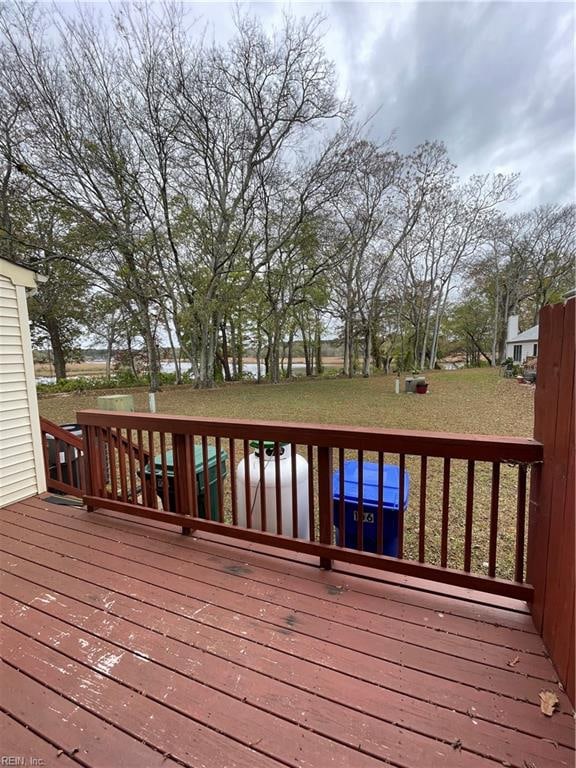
x: 527, y: 349
x: 21, y: 459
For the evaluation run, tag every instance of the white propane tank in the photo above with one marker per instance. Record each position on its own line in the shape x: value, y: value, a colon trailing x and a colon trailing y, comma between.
x: 285, y: 476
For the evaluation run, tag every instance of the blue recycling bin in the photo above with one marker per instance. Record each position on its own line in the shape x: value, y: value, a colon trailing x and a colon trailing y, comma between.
x: 369, y: 492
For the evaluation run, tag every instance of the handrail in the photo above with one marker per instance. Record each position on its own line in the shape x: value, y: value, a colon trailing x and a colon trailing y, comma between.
x: 416, y: 443
x: 48, y: 427
x: 273, y: 509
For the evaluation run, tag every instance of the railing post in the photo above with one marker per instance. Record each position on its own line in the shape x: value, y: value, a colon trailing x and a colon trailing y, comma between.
x: 552, y: 519
x: 92, y: 465
x: 181, y: 477
x: 325, y: 500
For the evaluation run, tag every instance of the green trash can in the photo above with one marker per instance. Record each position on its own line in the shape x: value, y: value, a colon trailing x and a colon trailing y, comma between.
x: 200, y: 484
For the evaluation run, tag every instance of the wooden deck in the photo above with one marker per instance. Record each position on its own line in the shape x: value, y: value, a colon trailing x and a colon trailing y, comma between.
x: 127, y: 645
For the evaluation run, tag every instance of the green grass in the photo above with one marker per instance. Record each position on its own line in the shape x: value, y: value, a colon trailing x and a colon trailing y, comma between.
x: 473, y: 401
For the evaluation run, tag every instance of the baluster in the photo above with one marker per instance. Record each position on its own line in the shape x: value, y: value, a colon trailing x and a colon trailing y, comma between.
x: 233, y: 489
x: 104, y: 471
x: 67, y: 453
x: 132, y: 468
x: 166, y: 505
x: 122, y: 464
x: 293, y: 480
x: 247, y: 487
x: 311, y: 513
x: 380, y: 506
x: 45, y: 453
x: 494, y: 519
x: 142, y: 465
x: 325, y: 500
x: 112, y: 462
x: 57, y: 446
x: 341, y: 500
x: 402, y: 471
x: 219, y: 483
x: 262, y: 467
x: 207, y: 484
x: 82, y: 467
x: 422, y: 519
x: 151, y: 479
x: 360, y: 510
x: 520, y: 523
x: 192, y: 486
x: 445, y: 514
x: 469, y: 516
x: 278, y: 488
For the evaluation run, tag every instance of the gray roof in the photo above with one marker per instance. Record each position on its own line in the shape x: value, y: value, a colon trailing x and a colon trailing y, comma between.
x: 530, y: 335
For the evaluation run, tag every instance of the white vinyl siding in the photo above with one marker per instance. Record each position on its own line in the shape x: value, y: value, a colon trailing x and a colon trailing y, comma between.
x: 21, y: 470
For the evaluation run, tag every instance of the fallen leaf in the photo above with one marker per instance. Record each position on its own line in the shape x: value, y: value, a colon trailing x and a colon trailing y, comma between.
x: 548, y: 702
x: 514, y: 661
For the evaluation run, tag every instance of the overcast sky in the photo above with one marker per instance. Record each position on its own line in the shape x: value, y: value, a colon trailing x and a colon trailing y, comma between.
x: 493, y: 80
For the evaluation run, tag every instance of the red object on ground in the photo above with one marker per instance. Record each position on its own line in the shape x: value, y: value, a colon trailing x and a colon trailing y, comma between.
x: 421, y: 389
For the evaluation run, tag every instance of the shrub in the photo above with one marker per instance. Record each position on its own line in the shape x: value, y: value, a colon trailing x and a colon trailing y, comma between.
x: 121, y: 380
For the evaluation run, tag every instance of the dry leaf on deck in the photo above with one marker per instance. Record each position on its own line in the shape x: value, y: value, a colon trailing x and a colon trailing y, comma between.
x: 548, y: 702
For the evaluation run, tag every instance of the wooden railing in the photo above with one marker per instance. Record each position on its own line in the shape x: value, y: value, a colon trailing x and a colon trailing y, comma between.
x: 64, y: 462
x: 464, y: 524
x: 63, y: 459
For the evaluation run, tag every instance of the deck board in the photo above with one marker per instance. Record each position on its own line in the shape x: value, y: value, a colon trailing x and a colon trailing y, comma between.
x: 195, y: 652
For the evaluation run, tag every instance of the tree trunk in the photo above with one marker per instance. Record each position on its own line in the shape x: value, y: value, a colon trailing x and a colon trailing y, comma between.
x: 153, y: 362
x: 258, y: 353
x: 348, y: 351
x: 318, y: 347
x: 224, y: 359
x: 239, y: 347
x: 58, y: 352
x: 109, y: 347
x: 290, y: 355
x: 496, y: 321
x: 175, y: 357
x: 267, y: 356
x: 307, y: 355
x: 233, y: 349
x: 207, y: 356
x: 366, y: 354
x: 274, y: 354
x: 133, y: 370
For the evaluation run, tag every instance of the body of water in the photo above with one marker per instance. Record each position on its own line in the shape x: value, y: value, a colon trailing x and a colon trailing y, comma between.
x: 168, y: 367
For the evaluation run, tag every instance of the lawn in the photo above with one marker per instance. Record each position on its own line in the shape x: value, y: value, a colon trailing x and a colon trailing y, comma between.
x: 474, y: 401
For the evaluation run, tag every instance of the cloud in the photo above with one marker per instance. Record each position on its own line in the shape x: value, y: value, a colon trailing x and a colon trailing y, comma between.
x: 494, y: 81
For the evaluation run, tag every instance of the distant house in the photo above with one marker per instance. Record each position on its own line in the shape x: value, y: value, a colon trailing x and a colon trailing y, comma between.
x: 21, y: 457
x: 519, y: 346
